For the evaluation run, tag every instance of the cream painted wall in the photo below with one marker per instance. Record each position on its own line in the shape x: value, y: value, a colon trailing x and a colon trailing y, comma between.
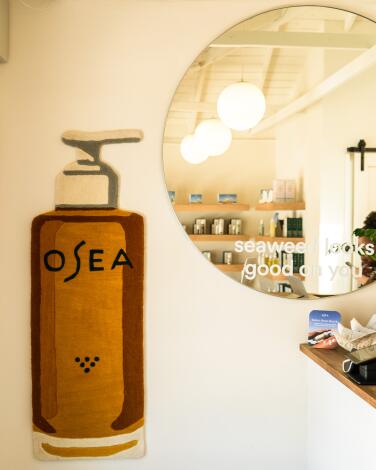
x: 246, y: 168
x: 341, y: 426
x: 96, y: 64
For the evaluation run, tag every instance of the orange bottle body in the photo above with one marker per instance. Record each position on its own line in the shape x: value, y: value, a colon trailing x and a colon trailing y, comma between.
x: 87, y: 323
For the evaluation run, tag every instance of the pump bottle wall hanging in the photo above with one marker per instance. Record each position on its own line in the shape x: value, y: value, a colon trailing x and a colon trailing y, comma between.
x: 87, y: 265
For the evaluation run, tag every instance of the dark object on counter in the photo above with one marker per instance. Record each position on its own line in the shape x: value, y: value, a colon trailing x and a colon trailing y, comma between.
x: 368, y: 371
x: 361, y: 374
x: 360, y: 366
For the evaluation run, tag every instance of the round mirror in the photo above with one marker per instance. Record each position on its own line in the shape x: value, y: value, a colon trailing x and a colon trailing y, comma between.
x: 270, y: 152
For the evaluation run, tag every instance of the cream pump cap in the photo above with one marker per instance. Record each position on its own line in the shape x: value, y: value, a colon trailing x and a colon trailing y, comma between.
x: 88, y: 182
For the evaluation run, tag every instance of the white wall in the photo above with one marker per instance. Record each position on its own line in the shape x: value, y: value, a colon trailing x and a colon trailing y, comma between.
x: 102, y: 64
x: 341, y: 426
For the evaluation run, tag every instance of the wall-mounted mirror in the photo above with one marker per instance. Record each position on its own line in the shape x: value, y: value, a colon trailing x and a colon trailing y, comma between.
x: 270, y: 152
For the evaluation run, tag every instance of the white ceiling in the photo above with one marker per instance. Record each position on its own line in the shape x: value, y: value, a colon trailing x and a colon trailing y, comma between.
x: 280, y: 70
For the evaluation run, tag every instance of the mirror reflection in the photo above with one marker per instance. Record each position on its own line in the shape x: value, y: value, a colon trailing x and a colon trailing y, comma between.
x: 270, y: 152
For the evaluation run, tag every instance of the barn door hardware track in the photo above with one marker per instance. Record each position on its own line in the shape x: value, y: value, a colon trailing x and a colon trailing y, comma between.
x: 362, y: 149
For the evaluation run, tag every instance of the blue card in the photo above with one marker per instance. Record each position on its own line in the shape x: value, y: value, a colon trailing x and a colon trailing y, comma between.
x: 322, y: 324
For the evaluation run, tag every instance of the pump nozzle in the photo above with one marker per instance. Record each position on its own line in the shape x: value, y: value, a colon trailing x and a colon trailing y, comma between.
x: 91, y: 142
x: 89, y: 182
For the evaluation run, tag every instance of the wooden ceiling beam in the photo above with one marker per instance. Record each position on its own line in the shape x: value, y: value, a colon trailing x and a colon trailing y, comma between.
x: 212, y: 56
x: 349, y: 21
x: 279, y: 39
x: 268, y: 60
x: 327, y: 86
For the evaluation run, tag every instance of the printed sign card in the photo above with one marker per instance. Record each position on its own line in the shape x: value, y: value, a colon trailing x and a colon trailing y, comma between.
x: 322, y: 325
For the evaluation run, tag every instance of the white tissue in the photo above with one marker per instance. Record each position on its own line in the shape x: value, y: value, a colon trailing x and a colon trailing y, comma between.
x: 347, y: 334
x: 372, y: 322
x: 356, y: 326
x: 358, y: 337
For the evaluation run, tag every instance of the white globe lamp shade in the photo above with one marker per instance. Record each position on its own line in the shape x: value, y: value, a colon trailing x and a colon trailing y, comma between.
x: 213, y: 137
x: 241, y: 106
x: 190, y: 151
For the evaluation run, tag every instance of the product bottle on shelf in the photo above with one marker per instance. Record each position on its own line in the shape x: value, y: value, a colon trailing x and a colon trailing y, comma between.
x: 272, y: 227
x: 261, y: 230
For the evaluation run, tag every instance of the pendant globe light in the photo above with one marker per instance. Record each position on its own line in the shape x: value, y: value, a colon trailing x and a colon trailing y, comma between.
x: 213, y: 137
x: 241, y: 106
x: 191, y: 152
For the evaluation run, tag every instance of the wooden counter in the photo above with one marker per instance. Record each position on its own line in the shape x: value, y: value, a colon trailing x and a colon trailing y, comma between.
x: 331, y: 361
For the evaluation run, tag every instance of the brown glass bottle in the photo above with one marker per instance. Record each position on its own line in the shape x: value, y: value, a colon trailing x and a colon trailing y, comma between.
x: 87, y: 312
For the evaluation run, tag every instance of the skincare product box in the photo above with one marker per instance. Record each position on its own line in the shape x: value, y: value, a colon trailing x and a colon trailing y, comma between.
x: 195, y: 198
x: 284, y: 190
x: 266, y: 195
x: 290, y: 190
x: 227, y: 257
x: 263, y: 196
x: 297, y: 262
x: 207, y: 255
x: 279, y: 190
x: 199, y: 227
x: 235, y: 227
x: 294, y: 227
x: 227, y: 198
x: 218, y: 227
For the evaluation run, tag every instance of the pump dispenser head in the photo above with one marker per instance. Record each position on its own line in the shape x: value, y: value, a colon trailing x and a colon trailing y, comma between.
x: 88, y: 182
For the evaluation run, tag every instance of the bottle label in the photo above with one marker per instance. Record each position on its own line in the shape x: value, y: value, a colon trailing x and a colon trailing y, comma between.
x: 54, y: 260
